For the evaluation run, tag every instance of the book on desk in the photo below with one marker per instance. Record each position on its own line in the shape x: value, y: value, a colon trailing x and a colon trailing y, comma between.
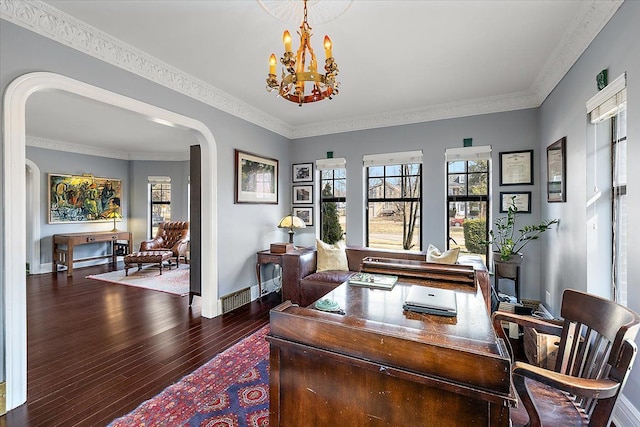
x: 379, y: 281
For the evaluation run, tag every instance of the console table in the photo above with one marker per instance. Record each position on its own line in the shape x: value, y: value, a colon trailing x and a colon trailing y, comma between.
x: 64, y: 256
x: 376, y: 364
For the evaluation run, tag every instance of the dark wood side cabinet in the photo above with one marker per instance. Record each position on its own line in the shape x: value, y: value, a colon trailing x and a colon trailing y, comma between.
x: 195, y: 226
x: 379, y: 365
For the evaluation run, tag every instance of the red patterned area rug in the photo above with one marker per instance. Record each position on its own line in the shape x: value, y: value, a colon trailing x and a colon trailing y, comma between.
x: 231, y: 390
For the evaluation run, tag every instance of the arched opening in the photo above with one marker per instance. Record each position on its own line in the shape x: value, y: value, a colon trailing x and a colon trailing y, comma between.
x: 14, y: 220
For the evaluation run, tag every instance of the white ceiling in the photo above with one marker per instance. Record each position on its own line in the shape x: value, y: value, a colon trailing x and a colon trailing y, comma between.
x: 400, y: 61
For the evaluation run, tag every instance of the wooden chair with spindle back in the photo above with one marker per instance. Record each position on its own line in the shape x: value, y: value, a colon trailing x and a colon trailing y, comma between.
x: 595, y: 354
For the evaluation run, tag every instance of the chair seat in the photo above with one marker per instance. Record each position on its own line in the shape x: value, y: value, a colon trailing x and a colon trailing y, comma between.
x: 554, y: 407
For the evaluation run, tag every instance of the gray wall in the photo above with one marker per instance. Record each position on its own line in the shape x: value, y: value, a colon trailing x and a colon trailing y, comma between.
x: 60, y: 162
x: 565, y: 261
x: 516, y: 130
x: 140, y: 172
x: 242, y: 229
x: 134, y: 176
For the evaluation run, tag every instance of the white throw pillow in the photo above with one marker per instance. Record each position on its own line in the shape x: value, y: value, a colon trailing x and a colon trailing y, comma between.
x: 448, y: 257
x: 331, y: 257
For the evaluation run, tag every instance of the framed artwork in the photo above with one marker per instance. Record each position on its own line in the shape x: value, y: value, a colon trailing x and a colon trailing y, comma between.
x: 302, y: 194
x: 256, y: 179
x: 83, y: 198
x: 556, y: 171
x: 516, y: 167
x: 521, y: 199
x: 302, y: 172
x: 305, y: 214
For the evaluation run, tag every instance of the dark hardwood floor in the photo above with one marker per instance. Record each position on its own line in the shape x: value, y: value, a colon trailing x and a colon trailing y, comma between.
x: 98, y: 350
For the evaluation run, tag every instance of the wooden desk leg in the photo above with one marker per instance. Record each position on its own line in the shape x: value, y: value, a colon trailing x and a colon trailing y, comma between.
x: 114, y: 257
x: 258, y: 264
x: 54, y: 262
x: 69, y: 259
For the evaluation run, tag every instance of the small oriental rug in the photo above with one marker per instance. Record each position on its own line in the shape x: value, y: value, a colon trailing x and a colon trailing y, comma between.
x: 231, y: 390
x: 174, y: 281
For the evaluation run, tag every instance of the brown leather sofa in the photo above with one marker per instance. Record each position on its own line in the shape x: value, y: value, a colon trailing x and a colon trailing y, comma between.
x: 171, y: 236
x: 302, y: 285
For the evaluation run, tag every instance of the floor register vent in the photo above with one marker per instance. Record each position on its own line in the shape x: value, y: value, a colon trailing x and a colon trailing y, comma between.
x: 235, y: 300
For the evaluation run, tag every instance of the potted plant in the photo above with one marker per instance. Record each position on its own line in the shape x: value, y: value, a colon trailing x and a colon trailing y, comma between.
x: 508, y: 242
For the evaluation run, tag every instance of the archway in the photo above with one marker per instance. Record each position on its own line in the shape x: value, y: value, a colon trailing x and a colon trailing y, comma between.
x: 14, y: 219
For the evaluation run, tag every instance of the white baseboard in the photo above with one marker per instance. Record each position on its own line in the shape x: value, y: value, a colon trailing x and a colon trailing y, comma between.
x: 48, y: 267
x: 271, y: 285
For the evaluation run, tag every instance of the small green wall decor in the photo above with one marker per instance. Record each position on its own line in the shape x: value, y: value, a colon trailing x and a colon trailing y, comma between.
x: 602, y: 80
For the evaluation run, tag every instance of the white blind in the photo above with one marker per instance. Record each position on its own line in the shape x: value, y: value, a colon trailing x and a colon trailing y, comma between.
x: 609, y: 101
x: 159, y: 180
x: 482, y: 152
x: 392, y: 158
x: 326, y: 164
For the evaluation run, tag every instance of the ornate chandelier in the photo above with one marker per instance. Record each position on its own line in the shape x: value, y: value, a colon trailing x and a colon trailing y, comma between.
x: 292, y: 84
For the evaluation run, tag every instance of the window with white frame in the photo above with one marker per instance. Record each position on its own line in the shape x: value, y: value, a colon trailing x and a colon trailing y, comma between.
x: 333, y: 199
x: 159, y: 202
x: 394, y: 200
x: 607, y: 195
x: 468, y: 171
x: 620, y: 209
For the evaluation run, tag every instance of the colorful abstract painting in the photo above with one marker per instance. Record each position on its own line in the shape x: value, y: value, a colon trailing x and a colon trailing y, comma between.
x: 82, y: 198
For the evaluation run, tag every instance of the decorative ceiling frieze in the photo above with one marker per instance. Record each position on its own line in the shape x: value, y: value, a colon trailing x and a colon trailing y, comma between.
x: 52, y: 23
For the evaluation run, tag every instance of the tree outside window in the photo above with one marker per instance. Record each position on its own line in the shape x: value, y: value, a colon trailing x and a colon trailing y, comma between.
x: 394, y: 203
x: 333, y: 205
x: 468, y: 205
x: 160, y: 203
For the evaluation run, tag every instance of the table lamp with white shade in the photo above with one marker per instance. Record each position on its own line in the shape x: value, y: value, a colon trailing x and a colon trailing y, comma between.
x: 291, y: 221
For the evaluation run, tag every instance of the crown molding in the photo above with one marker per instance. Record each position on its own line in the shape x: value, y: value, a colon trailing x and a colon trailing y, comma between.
x: 473, y: 107
x: 70, y: 147
x: 591, y: 19
x: 52, y: 23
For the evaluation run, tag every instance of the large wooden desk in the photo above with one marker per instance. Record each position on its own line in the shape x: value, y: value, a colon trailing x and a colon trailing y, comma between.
x: 377, y: 365
x: 64, y: 256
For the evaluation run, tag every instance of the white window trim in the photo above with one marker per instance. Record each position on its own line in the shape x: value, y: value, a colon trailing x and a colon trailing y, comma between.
x: 482, y: 152
x: 328, y: 164
x: 387, y: 159
x: 609, y: 101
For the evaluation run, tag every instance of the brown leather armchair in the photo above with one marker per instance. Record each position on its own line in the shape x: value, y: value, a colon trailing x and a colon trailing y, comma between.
x: 171, y: 236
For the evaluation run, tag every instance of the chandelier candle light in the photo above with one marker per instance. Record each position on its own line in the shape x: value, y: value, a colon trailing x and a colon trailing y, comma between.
x: 292, y: 85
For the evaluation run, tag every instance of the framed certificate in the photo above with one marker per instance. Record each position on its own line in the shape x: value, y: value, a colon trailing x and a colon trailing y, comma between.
x: 516, y: 167
x: 521, y: 199
x: 556, y: 165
